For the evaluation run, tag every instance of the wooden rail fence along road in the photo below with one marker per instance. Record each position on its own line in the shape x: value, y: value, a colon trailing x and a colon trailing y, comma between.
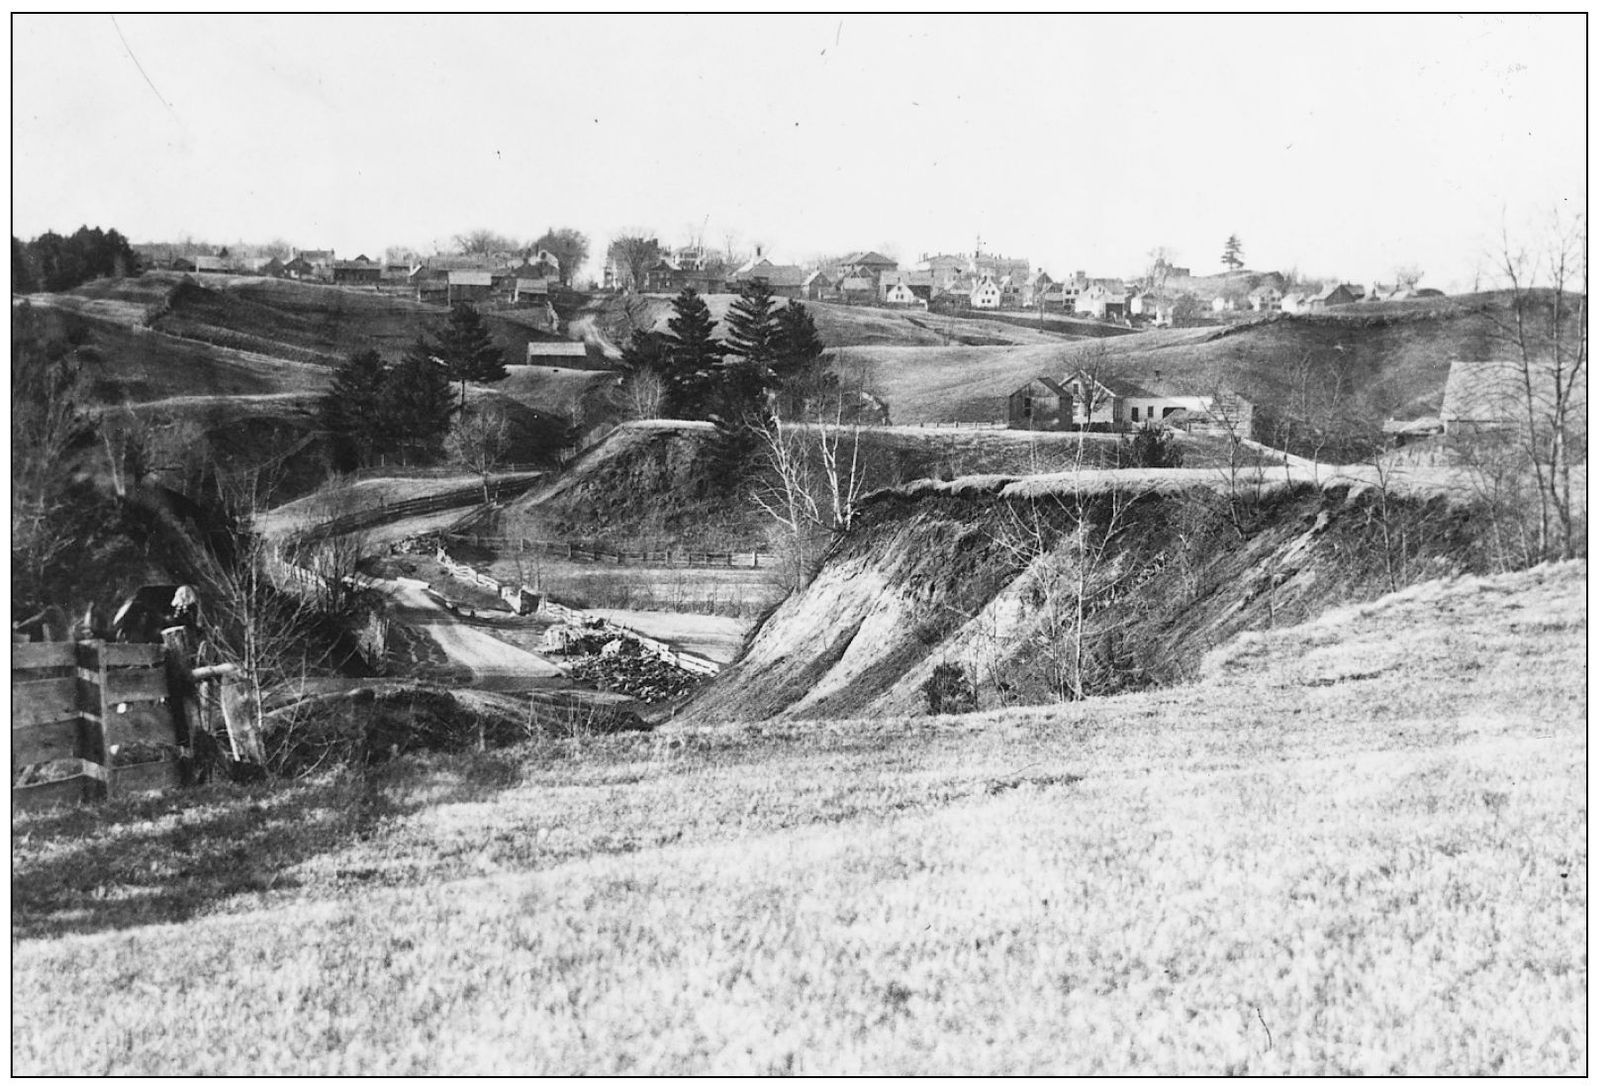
x: 573, y: 552
x: 520, y: 599
x: 416, y: 507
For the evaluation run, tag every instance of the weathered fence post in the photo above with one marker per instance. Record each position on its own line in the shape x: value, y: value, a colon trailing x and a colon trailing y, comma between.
x: 178, y: 657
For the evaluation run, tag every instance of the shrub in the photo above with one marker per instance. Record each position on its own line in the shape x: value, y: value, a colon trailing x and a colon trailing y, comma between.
x: 949, y: 691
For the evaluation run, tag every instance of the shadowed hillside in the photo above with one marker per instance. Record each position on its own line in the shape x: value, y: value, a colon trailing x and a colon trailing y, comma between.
x: 1037, y: 597
x: 315, y: 323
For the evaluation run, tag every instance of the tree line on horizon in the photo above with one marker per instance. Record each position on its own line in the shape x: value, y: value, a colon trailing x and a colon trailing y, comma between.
x: 52, y: 262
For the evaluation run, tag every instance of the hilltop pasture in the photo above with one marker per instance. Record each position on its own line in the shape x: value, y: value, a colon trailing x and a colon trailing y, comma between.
x: 1387, y: 360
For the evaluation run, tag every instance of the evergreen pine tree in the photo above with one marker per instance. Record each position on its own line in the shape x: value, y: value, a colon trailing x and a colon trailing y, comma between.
x: 417, y: 403
x: 694, y: 360
x: 647, y: 351
x: 752, y: 342
x: 467, y: 347
x: 799, y: 370
x: 1232, y: 253
x: 353, y: 410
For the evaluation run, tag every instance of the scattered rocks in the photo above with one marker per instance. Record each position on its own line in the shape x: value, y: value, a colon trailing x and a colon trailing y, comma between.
x: 620, y: 664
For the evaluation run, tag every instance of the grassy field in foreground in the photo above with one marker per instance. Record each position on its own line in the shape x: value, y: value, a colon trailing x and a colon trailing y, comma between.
x: 1358, y: 845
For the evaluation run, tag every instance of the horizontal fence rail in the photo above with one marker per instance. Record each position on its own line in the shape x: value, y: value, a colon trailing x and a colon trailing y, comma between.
x: 87, y: 702
x: 520, y: 598
x: 387, y: 512
x: 576, y: 552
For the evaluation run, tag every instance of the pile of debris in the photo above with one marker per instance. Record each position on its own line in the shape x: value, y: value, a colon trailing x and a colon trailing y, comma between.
x: 415, y: 544
x: 617, y: 663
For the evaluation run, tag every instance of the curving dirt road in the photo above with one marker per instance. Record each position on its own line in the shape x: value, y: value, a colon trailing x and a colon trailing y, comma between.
x: 496, y: 665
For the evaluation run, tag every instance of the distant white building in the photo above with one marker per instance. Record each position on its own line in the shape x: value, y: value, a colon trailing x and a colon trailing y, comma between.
x: 986, y: 294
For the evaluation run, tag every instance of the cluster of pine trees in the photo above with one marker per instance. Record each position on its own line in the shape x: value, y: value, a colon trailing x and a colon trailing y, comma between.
x: 52, y: 262
x: 770, y: 362
x: 400, y: 411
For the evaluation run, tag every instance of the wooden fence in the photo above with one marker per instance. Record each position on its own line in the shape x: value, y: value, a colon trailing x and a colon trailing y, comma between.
x: 96, y: 702
x: 87, y: 701
x: 519, y: 597
x: 573, y: 552
x: 415, y: 507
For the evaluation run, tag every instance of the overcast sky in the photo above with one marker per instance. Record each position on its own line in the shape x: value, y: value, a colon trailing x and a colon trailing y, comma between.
x: 1341, y: 145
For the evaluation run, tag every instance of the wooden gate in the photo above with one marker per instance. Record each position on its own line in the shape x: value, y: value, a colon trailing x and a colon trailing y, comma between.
x: 106, y: 706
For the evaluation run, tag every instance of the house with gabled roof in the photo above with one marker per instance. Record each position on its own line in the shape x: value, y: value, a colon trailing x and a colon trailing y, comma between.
x: 1042, y: 404
x: 1103, y: 298
x: 986, y: 293
x: 816, y: 286
x: 1084, y: 401
x: 359, y: 271
x: 867, y: 265
x: 785, y: 280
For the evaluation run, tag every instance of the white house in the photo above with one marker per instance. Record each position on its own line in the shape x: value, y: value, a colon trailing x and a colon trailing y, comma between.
x: 986, y: 294
x: 900, y: 293
x: 1102, y: 300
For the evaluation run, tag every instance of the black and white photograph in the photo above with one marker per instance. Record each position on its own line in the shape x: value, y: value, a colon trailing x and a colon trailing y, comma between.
x: 799, y: 544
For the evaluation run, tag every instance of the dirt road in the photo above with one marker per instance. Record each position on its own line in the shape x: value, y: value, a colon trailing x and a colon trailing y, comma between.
x: 495, y: 664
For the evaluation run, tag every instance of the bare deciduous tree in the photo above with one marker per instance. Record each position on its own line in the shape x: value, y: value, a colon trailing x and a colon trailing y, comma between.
x: 484, y: 242
x: 1066, y: 544
x: 816, y: 478
x: 634, y: 253
x: 1543, y: 381
x: 479, y: 439
x: 645, y: 393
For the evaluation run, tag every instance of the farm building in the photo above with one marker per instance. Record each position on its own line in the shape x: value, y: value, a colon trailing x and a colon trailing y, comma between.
x: 465, y: 286
x: 785, y: 280
x: 868, y: 265
x: 1042, y: 404
x: 532, y: 290
x: 359, y: 271
x: 551, y: 352
x: 1084, y: 401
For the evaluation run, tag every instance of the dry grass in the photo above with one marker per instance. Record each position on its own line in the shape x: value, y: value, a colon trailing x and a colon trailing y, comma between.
x: 1358, y: 846
x: 1393, y: 357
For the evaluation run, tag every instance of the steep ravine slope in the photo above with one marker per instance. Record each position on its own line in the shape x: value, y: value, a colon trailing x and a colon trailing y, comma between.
x: 964, y: 575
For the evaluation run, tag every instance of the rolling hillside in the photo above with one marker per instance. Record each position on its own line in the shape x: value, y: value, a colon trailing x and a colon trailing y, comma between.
x: 314, y: 323
x: 846, y: 325
x: 1355, y: 846
x: 1387, y: 360
x: 132, y: 364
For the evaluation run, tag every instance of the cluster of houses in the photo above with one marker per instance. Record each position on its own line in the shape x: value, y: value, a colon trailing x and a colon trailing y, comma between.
x: 1108, y: 404
x: 989, y: 281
